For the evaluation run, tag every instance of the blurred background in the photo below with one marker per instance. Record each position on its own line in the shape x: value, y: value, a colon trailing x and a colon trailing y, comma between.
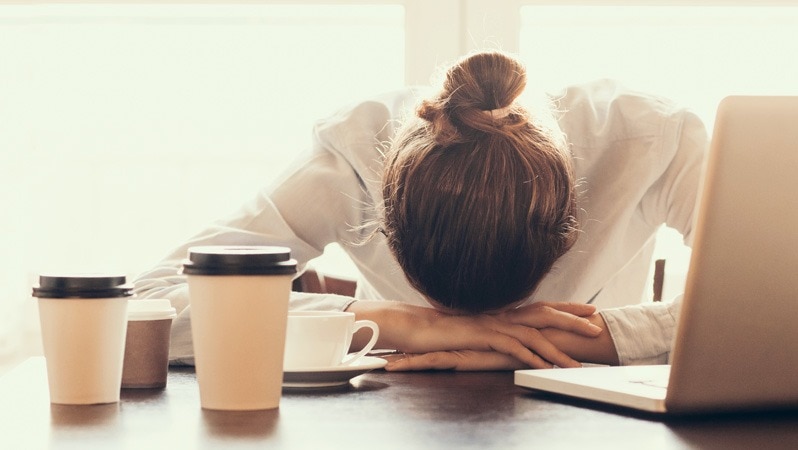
x: 125, y: 127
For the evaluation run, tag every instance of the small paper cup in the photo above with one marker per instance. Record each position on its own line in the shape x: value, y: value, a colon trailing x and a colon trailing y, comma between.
x: 146, y: 363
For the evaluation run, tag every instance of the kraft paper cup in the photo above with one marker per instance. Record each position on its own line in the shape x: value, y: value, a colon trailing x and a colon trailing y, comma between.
x: 149, y: 324
x: 83, y: 322
x: 239, y: 303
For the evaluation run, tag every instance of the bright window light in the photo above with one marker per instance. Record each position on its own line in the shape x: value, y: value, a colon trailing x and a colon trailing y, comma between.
x: 126, y: 128
x: 695, y: 55
x: 127, y: 121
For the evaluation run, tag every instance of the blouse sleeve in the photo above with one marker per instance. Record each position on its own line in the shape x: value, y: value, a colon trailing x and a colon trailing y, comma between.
x: 643, y: 334
x: 320, y: 201
x: 672, y: 198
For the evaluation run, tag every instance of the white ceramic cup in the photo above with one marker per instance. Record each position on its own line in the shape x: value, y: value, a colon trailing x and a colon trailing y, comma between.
x: 83, y: 320
x: 239, y: 303
x: 319, y: 339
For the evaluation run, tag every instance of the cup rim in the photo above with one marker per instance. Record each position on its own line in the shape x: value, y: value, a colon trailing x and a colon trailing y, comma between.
x: 82, y: 285
x: 150, y: 309
x: 239, y: 260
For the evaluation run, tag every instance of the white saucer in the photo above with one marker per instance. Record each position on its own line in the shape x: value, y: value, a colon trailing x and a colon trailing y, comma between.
x: 331, y: 376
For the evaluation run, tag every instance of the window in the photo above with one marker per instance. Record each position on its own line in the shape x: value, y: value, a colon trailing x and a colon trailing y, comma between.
x: 695, y: 55
x: 126, y: 128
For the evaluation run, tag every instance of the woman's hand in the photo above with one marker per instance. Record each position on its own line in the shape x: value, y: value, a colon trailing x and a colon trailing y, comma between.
x: 516, y: 334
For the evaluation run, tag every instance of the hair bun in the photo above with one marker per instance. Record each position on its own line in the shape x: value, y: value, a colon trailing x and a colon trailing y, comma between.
x: 471, y: 89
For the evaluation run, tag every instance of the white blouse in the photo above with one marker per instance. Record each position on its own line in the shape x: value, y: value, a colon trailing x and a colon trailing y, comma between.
x: 638, y: 159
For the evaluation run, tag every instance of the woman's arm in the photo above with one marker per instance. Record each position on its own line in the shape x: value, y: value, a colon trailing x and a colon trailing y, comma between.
x: 598, y: 349
x: 419, y: 330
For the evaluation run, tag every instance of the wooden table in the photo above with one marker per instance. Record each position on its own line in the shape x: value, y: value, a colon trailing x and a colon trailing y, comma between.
x: 435, y: 410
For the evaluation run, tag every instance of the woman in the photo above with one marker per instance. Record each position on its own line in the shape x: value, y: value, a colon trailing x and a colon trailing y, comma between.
x: 463, y: 219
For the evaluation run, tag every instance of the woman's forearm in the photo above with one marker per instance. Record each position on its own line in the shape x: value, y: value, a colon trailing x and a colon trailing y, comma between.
x: 397, y: 322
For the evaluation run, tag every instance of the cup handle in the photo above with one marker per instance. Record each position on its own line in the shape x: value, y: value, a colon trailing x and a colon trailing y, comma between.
x: 375, y: 333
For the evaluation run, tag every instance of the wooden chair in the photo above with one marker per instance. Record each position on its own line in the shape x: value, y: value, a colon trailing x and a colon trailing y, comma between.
x: 312, y: 281
x: 659, y: 279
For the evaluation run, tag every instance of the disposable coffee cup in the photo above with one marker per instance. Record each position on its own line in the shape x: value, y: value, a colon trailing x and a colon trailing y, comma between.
x: 321, y: 339
x: 239, y: 303
x: 149, y: 324
x: 83, y: 321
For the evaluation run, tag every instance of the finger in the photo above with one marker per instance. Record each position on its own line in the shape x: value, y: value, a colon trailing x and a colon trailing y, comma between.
x: 534, y: 340
x: 546, y: 316
x: 577, y: 309
x: 569, y: 322
x: 459, y: 360
x: 393, y: 357
x: 423, y: 361
x: 512, y: 346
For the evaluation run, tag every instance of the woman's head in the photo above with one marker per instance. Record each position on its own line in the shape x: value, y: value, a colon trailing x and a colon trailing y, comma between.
x: 479, y: 199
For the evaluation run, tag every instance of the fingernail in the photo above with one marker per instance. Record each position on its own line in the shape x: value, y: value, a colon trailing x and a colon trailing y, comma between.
x: 392, y: 365
x: 594, y: 328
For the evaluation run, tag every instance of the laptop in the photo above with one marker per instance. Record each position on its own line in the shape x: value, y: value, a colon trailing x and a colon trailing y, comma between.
x: 736, y: 343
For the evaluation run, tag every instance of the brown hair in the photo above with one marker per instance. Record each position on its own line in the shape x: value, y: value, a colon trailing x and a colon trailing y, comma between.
x: 478, y: 206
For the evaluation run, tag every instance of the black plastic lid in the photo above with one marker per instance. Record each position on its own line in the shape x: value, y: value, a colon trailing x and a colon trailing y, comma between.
x: 239, y: 260
x: 82, y: 286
